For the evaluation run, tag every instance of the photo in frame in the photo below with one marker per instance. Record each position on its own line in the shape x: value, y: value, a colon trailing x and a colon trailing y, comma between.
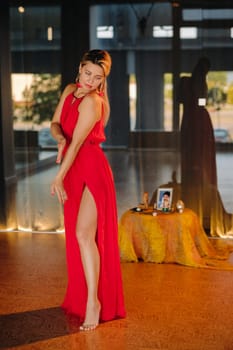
x: 164, y: 199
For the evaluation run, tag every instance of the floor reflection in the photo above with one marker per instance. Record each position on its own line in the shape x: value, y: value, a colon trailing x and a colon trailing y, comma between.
x: 8, y: 216
x: 37, y: 210
x: 135, y: 171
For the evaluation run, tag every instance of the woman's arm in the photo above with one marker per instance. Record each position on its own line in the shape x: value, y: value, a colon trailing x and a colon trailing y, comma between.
x: 89, y: 114
x: 55, y: 127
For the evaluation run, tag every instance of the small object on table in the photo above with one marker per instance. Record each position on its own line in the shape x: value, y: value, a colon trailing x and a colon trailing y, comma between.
x: 137, y: 209
x: 145, y: 199
x: 180, y: 206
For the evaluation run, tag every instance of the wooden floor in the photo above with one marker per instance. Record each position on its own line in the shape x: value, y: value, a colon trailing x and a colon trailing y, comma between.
x: 169, y: 307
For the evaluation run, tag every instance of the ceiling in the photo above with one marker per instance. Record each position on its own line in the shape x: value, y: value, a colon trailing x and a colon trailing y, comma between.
x: 209, y: 4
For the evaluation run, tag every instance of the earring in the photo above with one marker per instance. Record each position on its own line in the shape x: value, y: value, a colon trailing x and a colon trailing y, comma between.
x: 77, y: 80
x: 101, y: 89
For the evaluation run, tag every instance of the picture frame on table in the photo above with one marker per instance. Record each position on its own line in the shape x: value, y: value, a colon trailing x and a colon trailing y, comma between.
x: 164, y: 199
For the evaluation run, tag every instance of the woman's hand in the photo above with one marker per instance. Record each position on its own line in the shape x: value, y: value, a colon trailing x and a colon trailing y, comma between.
x: 60, y: 145
x: 58, y: 189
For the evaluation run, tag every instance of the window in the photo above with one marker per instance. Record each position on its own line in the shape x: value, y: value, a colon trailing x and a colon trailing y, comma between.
x: 105, y: 32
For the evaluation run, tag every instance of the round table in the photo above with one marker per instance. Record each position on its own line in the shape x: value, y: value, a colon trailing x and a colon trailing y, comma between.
x: 168, y: 238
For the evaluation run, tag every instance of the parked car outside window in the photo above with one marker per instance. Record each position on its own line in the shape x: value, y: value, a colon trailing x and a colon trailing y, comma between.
x: 45, y: 139
x: 222, y: 135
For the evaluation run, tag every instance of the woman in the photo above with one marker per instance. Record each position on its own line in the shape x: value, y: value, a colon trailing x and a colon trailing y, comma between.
x: 84, y: 184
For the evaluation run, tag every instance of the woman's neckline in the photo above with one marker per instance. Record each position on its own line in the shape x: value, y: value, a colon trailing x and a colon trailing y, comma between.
x: 77, y: 97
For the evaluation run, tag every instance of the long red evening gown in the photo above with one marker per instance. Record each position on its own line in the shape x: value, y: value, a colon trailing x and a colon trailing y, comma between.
x: 91, y: 168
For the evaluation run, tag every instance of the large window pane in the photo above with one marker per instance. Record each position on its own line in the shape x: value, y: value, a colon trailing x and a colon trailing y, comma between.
x: 36, y: 82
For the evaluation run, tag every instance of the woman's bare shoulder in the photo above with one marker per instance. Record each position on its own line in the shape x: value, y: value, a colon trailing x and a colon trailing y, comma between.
x: 92, y: 102
x: 93, y: 99
x: 69, y: 89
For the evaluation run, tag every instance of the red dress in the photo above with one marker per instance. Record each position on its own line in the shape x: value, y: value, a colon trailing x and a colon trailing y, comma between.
x: 91, y: 168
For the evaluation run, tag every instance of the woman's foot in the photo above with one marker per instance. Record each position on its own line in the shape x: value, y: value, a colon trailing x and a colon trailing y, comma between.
x: 92, y: 317
x: 87, y: 327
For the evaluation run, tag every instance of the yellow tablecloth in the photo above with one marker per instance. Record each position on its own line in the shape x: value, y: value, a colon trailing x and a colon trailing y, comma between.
x: 168, y: 238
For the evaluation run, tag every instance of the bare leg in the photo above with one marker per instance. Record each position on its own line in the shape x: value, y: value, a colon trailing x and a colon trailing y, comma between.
x: 86, y: 232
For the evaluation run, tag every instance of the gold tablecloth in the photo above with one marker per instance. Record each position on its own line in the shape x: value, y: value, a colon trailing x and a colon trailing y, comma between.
x: 168, y: 238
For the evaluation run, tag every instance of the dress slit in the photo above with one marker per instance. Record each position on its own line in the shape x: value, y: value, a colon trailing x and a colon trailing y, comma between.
x: 85, y: 186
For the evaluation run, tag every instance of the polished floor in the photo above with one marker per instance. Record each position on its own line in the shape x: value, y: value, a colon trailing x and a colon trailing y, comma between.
x: 169, y: 307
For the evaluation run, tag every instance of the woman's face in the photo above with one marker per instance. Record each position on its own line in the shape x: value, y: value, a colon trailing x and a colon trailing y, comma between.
x: 90, y: 76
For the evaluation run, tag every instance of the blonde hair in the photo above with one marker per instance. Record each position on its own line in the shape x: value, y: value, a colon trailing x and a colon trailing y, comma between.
x: 102, y: 59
